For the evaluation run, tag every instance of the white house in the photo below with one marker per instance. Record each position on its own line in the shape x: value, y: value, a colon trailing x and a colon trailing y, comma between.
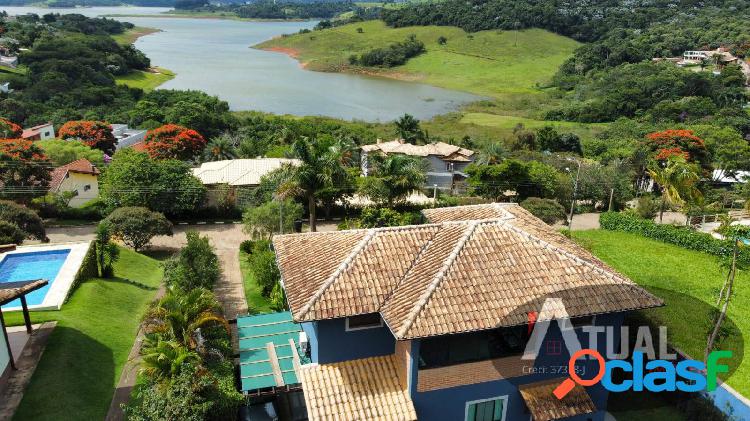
x: 80, y: 177
x: 127, y: 137
x: 40, y: 132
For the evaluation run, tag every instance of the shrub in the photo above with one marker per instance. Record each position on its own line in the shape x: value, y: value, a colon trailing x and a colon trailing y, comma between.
x: 548, y: 210
x: 647, y: 207
x: 24, y: 218
x: 247, y: 246
x: 263, y: 265
x: 680, y: 236
x: 10, y: 233
x: 395, y: 55
x: 106, y: 252
x: 195, y: 266
x: 386, y: 217
x: 136, y: 226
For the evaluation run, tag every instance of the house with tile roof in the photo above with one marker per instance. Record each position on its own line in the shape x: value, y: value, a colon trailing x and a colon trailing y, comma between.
x: 80, y: 177
x: 432, y: 321
x: 41, y: 132
x: 445, y: 162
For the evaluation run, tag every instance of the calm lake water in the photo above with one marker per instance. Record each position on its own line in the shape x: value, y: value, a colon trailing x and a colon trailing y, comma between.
x: 214, y: 56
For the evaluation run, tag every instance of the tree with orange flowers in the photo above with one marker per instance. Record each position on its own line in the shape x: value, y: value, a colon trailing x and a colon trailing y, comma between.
x: 9, y: 129
x: 24, y: 170
x: 668, y: 144
x: 174, y: 142
x: 95, y: 134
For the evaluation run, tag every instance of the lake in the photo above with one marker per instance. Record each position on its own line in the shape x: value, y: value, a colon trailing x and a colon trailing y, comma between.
x: 214, y: 56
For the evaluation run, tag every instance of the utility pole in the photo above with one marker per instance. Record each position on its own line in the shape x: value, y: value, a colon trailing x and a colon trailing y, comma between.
x: 611, y: 196
x: 575, y: 193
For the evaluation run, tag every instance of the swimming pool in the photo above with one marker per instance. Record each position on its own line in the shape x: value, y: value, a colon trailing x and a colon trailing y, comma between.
x: 58, y: 264
x: 32, y: 266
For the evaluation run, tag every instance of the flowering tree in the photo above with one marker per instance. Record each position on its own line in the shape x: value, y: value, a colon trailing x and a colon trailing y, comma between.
x: 678, y: 143
x: 9, y: 129
x: 95, y: 134
x: 24, y: 170
x: 174, y: 142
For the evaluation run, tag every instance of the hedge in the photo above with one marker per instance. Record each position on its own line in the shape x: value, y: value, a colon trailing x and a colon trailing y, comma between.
x: 679, y: 236
x: 89, y: 269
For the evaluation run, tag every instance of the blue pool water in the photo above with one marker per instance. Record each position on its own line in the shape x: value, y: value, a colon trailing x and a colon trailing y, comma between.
x: 31, y: 266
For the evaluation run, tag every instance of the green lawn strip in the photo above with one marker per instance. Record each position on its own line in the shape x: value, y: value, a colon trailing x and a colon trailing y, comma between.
x: 675, y: 274
x: 86, y: 352
x: 256, y: 303
x: 489, y: 63
x: 146, y: 80
x: 508, y: 123
x: 131, y: 35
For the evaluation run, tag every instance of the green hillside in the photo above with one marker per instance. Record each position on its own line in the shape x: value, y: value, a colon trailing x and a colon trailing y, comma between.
x: 490, y: 63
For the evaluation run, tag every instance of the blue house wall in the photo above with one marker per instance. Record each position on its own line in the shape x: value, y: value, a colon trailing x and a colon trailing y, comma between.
x: 330, y: 342
x: 450, y: 403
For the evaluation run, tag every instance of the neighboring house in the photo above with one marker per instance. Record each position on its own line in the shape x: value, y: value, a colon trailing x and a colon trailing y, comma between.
x: 446, y: 162
x: 40, y: 132
x: 9, y: 61
x: 80, y: 177
x: 722, y: 178
x: 721, y: 54
x: 228, y: 178
x: 127, y: 137
x: 431, y: 321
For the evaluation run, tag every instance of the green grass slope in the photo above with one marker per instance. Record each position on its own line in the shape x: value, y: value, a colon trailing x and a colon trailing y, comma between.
x: 490, y: 63
x: 84, y: 357
x: 675, y: 274
x: 148, y: 81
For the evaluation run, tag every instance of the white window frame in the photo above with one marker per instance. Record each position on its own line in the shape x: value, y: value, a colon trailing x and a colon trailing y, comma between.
x: 503, y: 398
x: 565, y: 324
x: 353, y: 329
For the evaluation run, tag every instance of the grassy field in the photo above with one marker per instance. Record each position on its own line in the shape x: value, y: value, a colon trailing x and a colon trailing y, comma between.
x: 488, y: 63
x: 146, y: 80
x: 688, y: 281
x: 86, y: 352
x: 131, y: 35
x: 256, y: 303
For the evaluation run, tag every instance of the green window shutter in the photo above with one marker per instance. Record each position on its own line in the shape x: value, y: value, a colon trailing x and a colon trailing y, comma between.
x: 499, y: 404
x: 471, y: 414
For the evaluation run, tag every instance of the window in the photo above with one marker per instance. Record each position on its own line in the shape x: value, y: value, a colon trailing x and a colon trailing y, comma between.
x: 449, y: 166
x: 492, y: 409
x: 477, y: 346
x: 87, y: 187
x: 364, y: 321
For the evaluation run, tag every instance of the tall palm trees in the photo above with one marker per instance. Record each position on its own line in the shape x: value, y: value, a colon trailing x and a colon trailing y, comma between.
x: 393, y: 178
x: 677, y: 181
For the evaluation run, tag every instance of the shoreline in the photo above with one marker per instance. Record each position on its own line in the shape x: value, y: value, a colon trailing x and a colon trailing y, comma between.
x: 130, y: 36
x: 200, y: 16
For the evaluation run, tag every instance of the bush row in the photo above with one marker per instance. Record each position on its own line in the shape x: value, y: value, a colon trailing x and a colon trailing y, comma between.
x: 680, y: 236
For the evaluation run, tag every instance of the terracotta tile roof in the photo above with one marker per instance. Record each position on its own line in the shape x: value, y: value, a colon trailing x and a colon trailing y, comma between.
x: 81, y: 166
x: 33, y: 131
x: 9, y: 291
x: 440, y: 149
x: 544, y: 406
x: 364, y: 389
x: 449, y: 277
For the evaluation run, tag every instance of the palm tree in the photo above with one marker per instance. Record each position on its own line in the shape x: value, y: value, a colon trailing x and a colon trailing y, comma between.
x: 322, y: 167
x: 393, y: 178
x: 163, y: 359
x: 490, y: 154
x: 407, y: 128
x: 677, y: 181
x: 180, y: 314
x: 220, y: 148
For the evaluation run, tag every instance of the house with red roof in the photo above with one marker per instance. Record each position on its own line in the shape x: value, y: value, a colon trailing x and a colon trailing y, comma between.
x: 80, y: 177
x: 40, y: 132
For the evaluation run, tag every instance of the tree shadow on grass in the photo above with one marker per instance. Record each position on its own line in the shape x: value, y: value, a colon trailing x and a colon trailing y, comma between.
x: 73, y: 381
x: 136, y: 284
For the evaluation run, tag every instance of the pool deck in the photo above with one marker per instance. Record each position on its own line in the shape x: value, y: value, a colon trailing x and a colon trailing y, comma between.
x: 60, y: 286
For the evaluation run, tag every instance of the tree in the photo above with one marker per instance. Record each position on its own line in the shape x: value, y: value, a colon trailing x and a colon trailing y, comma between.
x: 385, y: 217
x: 10, y: 233
x: 180, y: 314
x: 24, y: 218
x: 61, y: 152
x: 490, y: 154
x: 94, y: 134
x: 548, y: 210
x: 136, y: 226
x: 264, y: 267
x: 107, y: 252
x: 407, y: 128
x: 221, y: 147
x: 667, y: 143
x: 393, y: 178
x: 174, y: 142
x: 276, y: 216
x: 514, y: 177
x: 677, y: 182
x: 9, y: 129
x: 24, y: 169
x: 195, y: 266
x: 322, y: 167
x: 134, y: 179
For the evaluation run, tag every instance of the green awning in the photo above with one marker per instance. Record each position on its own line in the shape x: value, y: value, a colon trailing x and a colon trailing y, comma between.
x: 269, y: 350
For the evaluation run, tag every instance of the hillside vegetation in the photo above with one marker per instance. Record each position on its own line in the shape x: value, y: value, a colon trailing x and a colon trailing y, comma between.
x: 491, y: 63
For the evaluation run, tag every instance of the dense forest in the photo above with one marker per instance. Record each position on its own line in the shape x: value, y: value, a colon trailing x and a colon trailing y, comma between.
x: 611, y: 75
x: 272, y: 10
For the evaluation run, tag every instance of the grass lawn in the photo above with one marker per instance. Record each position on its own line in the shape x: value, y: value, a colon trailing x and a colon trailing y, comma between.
x: 506, y: 123
x: 148, y: 81
x: 256, y: 303
x: 86, y: 352
x: 131, y: 35
x: 489, y: 63
x: 688, y: 282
